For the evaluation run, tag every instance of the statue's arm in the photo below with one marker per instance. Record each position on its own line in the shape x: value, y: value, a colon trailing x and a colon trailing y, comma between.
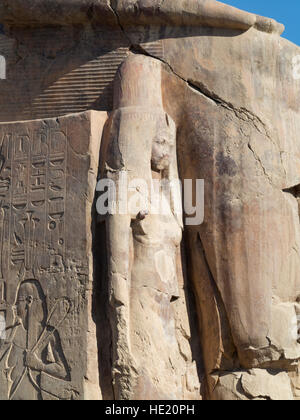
x: 53, y: 363
x: 56, y: 367
x: 138, y: 12
x: 119, y: 255
x: 195, y: 13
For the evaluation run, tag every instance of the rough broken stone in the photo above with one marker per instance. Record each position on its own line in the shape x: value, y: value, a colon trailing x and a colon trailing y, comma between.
x: 214, y: 315
x: 255, y: 384
x: 267, y: 385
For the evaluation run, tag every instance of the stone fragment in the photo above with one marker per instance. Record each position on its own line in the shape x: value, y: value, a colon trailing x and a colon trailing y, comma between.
x: 267, y: 385
x: 255, y: 384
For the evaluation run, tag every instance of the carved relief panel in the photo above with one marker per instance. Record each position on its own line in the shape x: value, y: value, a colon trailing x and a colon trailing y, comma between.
x: 44, y: 266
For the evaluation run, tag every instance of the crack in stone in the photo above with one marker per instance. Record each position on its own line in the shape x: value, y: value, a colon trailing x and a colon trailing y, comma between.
x: 241, y: 113
x: 112, y: 6
x: 261, y: 164
x: 250, y: 396
x: 273, y: 347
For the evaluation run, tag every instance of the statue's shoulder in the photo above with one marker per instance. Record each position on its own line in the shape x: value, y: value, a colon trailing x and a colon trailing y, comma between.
x: 133, y: 12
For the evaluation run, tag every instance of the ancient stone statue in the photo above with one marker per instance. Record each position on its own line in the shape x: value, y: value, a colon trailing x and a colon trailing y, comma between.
x: 133, y: 303
x: 143, y: 262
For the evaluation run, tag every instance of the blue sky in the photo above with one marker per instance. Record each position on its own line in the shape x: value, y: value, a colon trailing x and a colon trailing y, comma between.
x: 284, y: 11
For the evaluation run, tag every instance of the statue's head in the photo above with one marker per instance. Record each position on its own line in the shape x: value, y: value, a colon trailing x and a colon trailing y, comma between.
x: 30, y: 300
x: 164, y: 144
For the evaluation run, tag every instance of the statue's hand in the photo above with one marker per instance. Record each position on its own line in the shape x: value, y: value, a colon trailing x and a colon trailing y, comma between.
x: 33, y: 362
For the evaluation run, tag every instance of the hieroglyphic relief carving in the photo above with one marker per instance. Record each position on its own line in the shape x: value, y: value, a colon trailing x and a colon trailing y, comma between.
x: 47, y: 179
x: 36, y: 169
x: 32, y: 229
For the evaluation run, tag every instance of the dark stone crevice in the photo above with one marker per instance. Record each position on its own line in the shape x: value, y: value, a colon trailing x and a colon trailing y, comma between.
x: 295, y: 192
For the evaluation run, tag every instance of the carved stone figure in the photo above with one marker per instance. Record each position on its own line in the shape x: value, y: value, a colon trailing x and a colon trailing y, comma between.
x: 135, y: 92
x: 32, y: 348
x: 144, y: 263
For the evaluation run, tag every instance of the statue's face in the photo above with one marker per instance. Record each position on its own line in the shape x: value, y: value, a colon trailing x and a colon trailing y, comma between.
x: 163, y: 147
x: 21, y: 307
x: 28, y: 300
